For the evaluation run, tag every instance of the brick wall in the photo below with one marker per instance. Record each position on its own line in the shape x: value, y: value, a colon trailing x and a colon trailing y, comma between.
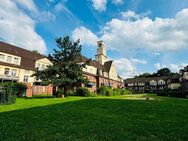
x: 37, y: 90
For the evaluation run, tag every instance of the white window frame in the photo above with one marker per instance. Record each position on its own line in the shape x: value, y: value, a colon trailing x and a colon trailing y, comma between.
x: 26, y: 78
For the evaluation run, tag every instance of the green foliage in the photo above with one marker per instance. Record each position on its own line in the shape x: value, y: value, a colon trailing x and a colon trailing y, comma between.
x: 70, y: 93
x: 65, y: 71
x: 83, y: 91
x: 102, y: 91
x: 7, y: 93
x: 17, y: 88
x: 126, y: 92
x: 108, y: 91
x: 176, y: 93
x: 59, y: 92
x: 105, y: 91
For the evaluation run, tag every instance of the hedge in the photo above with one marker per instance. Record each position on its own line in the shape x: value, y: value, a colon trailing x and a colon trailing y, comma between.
x: 9, y: 91
x: 108, y: 91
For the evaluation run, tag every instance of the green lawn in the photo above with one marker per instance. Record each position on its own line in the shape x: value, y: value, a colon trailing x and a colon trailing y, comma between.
x: 125, y: 118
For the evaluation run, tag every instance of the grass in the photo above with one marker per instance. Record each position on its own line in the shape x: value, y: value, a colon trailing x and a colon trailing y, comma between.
x: 120, y: 118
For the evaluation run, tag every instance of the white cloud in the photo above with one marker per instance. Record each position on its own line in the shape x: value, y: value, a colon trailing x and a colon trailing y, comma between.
x: 127, y: 67
x: 99, y: 5
x: 139, y: 61
x: 172, y: 67
x: 159, y: 35
x: 117, y: 2
x: 85, y: 36
x: 18, y: 28
x: 159, y: 66
x: 27, y: 4
x: 131, y: 15
x: 46, y: 16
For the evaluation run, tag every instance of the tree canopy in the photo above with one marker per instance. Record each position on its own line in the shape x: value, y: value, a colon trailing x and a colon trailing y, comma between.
x: 65, y: 70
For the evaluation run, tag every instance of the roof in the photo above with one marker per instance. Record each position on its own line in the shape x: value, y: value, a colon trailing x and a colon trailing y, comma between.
x: 145, y: 79
x: 28, y: 58
x: 91, y: 62
x: 108, y: 65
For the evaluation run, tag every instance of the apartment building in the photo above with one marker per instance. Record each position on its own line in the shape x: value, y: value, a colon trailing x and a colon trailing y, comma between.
x: 18, y: 65
x: 101, y: 71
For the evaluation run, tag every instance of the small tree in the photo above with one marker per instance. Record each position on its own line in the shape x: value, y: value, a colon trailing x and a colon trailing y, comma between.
x: 65, y: 71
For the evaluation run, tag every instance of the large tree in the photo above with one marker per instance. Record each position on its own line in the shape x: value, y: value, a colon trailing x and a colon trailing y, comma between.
x: 164, y: 72
x: 185, y: 69
x: 65, y: 71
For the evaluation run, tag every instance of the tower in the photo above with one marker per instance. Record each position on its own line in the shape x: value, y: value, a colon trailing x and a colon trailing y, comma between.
x: 101, y: 53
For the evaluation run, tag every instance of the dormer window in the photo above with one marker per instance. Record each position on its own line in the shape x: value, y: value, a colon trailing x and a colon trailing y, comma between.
x: 16, y: 60
x: 43, y: 67
x: 38, y: 65
x: 2, y: 57
x: 9, y: 59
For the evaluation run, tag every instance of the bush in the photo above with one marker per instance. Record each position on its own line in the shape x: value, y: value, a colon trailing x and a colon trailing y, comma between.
x: 117, y: 92
x: 70, y: 93
x: 83, y: 91
x: 105, y: 91
x: 162, y: 93
x: 126, y: 92
x: 102, y: 91
x: 7, y: 94
x: 18, y: 88
x: 176, y: 93
x: 59, y: 92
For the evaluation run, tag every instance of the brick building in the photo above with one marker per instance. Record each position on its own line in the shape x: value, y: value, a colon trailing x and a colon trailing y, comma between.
x: 101, y: 71
x: 17, y: 65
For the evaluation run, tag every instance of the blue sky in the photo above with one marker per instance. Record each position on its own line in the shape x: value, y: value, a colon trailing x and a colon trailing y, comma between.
x: 140, y: 35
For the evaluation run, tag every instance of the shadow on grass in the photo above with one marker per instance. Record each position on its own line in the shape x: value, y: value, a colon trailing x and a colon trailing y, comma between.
x: 97, y: 120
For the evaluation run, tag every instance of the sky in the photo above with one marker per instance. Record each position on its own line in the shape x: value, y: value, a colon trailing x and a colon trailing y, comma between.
x: 139, y: 35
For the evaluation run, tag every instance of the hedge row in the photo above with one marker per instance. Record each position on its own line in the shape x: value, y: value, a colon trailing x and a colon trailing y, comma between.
x: 172, y: 93
x: 108, y: 91
x: 103, y: 91
x: 9, y: 91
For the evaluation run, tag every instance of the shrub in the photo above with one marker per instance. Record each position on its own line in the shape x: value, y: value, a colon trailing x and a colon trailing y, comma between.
x: 18, y: 88
x: 83, y: 91
x: 162, y: 93
x: 105, y: 91
x: 117, y: 92
x: 59, y: 92
x: 70, y: 93
x: 126, y: 92
x: 7, y: 94
x: 176, y: 93
x: 102, y: 91
x: 109, y: 91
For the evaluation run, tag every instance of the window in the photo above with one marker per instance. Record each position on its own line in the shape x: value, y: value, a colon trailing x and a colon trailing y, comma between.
x: 16, y: 60
x: 6, y: 71
x: 9, y: 59
x: 14, y: 72
x: 43, y: 67
x: 38, y: 65
x: 2, y: 57
x: 26, y: 77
